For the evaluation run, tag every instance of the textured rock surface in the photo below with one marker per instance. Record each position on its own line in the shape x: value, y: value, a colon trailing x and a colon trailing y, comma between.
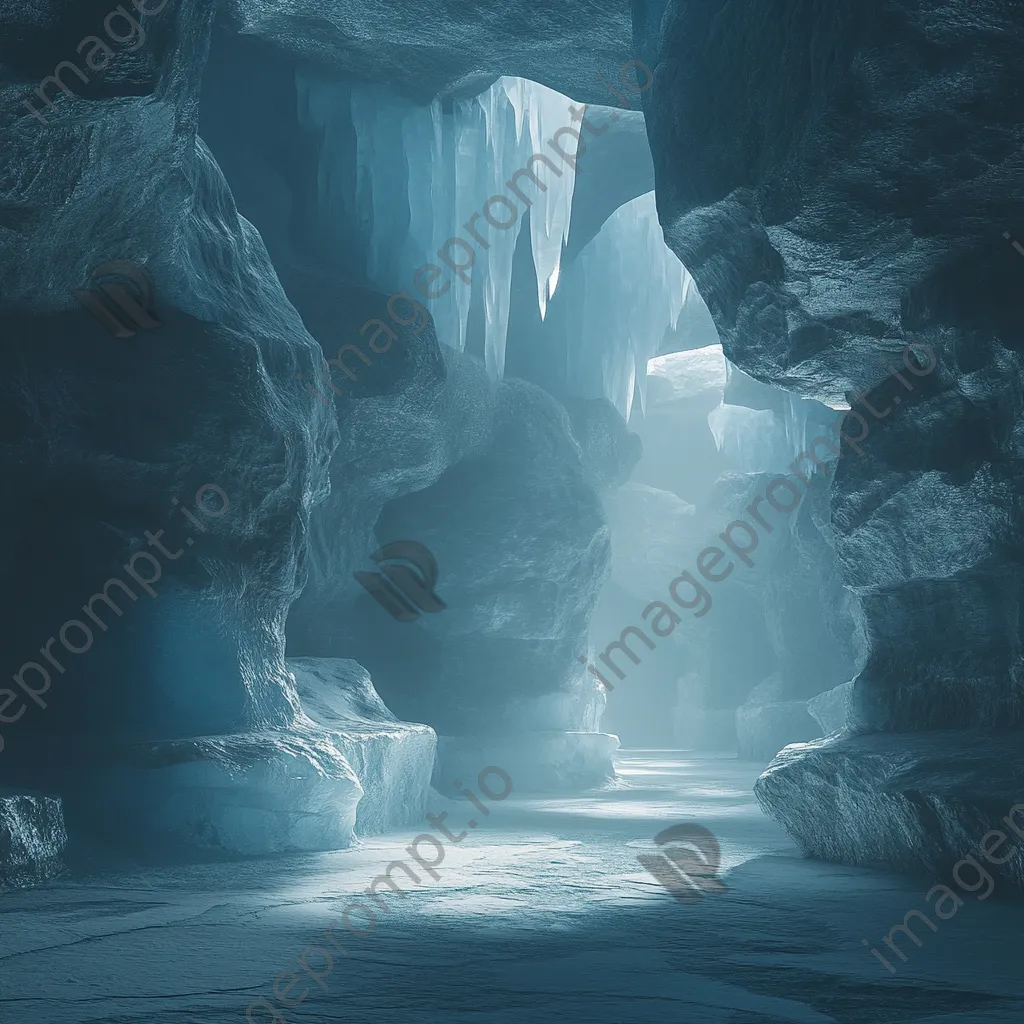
x: 393, y: 760
x: 427, y: 48
x: 780, y: 228
x: 102, y: 434
x: 913, y: 802
x: 32, y: 838
x: 845, y: 191
x: 220, y: 798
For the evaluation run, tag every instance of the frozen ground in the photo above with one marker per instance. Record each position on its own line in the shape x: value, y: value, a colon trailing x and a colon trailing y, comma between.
x: 540, y: 915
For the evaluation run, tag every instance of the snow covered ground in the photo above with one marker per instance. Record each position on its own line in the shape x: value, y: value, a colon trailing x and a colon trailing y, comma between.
x: 541, y: 914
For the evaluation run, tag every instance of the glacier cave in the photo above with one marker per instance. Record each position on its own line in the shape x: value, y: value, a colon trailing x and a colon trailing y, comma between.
x: 511, y: 511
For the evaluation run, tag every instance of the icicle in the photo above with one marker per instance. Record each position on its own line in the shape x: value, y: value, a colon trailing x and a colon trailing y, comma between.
x: 449, y: 165
x: 551, y: 213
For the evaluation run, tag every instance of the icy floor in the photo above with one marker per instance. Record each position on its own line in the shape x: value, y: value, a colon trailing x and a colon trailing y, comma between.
x: 542, y: 914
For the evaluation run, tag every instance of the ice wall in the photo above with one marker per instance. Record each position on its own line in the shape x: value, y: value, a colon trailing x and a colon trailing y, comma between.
x: 627, y: 288
x: 424, y: 173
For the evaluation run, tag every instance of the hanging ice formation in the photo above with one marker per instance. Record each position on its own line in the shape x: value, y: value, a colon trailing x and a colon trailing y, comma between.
x: 452, y: 165
x: 627, y: 289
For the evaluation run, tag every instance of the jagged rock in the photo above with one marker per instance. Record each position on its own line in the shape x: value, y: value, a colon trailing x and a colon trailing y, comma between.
x: 909, y: 801
x: 393, y: 760
x: 828, y: 709
x: 104, y: 434
x: 32, y: 838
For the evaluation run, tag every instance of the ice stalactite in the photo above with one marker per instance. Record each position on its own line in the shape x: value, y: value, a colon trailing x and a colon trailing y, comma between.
x: 627, y: 289
x: 435, y: 179
x: 541, y: 109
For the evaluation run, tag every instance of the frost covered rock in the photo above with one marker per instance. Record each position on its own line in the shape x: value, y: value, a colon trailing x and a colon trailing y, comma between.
x: 424, y: 48
x: 393, y: 760
x: 909, y: 801
x: 118, y: 437
x: 828, y: 709
x: 32, y: 838
x: 696, y: 374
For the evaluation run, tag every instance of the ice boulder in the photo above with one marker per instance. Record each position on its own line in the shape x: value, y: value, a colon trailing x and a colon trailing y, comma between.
x: 221, y: 797
x: 393, y: 760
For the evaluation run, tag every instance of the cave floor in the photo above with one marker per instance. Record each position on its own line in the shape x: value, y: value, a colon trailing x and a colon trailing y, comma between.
x: 542, y: 914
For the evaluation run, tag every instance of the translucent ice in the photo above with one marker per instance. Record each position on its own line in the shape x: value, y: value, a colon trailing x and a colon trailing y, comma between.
x: 453, y: 163
x: 768, y: 438
x: 628, y: 289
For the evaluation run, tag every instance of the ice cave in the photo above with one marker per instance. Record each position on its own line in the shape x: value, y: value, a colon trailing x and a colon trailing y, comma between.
x: 513, y: 511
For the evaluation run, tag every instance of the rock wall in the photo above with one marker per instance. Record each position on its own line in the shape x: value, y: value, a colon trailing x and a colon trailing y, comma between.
x: 848, y: 188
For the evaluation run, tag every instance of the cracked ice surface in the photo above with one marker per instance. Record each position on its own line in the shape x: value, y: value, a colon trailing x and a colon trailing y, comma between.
x: 454, y: 159
x: 541, y: 914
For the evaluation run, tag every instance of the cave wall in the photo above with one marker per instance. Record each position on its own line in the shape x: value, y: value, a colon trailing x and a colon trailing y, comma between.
x: 842, y: 180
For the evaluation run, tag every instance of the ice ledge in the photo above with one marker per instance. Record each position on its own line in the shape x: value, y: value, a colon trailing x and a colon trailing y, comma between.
x: 346, y: 764
x: 393, y: 760
x: 901, y: 801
